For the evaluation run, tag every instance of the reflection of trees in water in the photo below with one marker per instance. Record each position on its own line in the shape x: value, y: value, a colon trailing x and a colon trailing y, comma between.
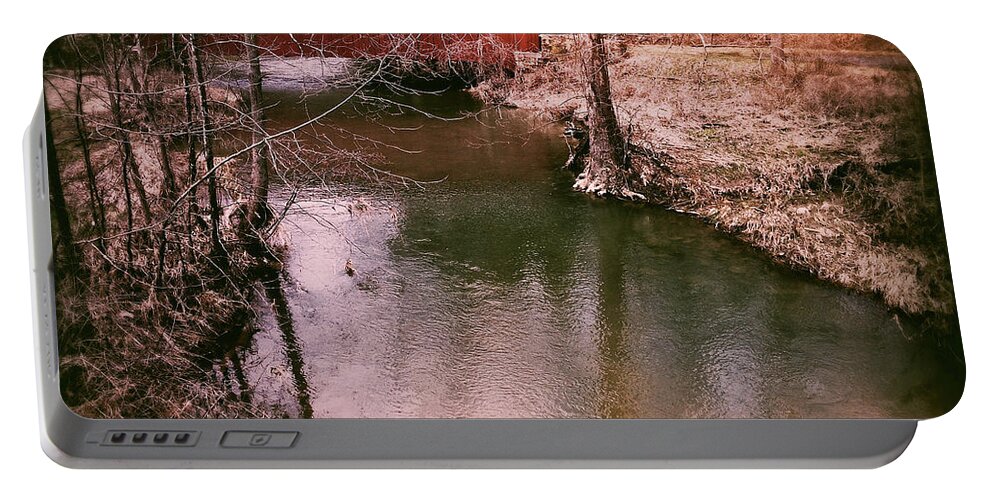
x: 227, y: 355
x: 291, y: 345
x: 686, y: 296
x: 613, y: 356
x: 683, y: 291
x: 233, y: 373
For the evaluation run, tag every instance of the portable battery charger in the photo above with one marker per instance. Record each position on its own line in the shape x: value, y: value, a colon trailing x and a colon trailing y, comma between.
x: 486, y: 250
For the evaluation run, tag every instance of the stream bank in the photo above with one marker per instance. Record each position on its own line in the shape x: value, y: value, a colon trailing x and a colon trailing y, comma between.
x: 503, y: 293
x: 826, y: 168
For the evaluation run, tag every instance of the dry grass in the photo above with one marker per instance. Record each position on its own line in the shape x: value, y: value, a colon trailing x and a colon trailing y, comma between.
x: 146, y: 359
x: 130, y: 348
x: 826, y: 166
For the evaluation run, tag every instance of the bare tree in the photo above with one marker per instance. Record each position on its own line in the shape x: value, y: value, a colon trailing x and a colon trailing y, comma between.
x: 98, y: 212
x: 63, y: 225
x: 207, y: 138
x: 606, y: 140
x: 258, y: 208
x: 139, y: 65
x: 181, y: 53
x: 605, y: 156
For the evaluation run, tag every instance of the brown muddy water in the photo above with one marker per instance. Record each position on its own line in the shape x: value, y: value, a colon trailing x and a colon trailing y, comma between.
x: 499, y: 292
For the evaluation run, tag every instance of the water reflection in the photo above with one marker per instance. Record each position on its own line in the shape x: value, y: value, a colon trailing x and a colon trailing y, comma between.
x: 291, y: 346
x: 501, y: 293
x: 239, y: 347
x: 616, y: 399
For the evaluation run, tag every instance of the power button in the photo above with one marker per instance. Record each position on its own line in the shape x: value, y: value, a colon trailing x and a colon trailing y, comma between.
x: 260, y: 439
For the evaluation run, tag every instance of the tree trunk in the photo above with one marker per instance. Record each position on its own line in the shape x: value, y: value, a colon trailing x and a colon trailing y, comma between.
x: 129, y: 166
x: 58, y: 203
x: 258, y: 209
x: 111, y: 54
x: 183, y: 54
x: 606, y: 162
x: 206, y: 136
x: 138, y: 66
x: 98, y: 213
